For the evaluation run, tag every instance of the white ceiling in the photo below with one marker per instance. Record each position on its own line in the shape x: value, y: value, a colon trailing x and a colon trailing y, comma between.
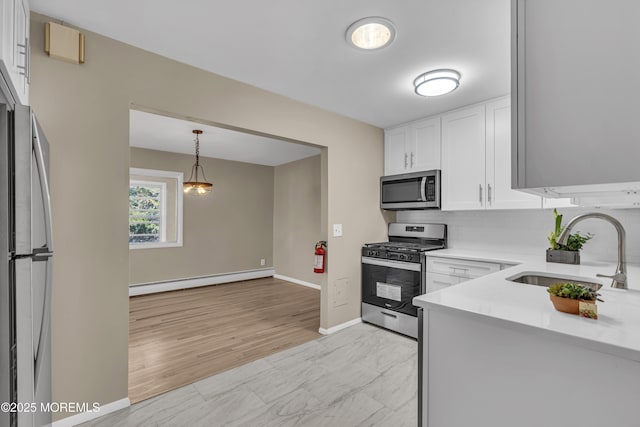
x: 162, y: 133
x: 297, y: 47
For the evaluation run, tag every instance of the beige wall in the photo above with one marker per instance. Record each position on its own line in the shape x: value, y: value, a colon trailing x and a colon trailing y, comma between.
x: 229, y: 230
x: 297, y: 218
x: 84, y: 110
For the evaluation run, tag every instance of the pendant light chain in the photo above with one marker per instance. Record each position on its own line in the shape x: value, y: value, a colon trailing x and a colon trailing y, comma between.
x: 197, y: 154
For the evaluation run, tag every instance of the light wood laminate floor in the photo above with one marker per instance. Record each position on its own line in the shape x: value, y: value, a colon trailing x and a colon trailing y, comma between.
x: 360, y: 376
x: 179, y: 337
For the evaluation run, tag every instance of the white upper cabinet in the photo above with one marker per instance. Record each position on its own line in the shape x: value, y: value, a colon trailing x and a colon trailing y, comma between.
x: 426, y: 134
x: 463, y: 159
x: 498, y: 160
x: 396, y: 158
x: 576, y: 85
x: 412, y: 147
x: 476, y: 160
x: 15, y: 48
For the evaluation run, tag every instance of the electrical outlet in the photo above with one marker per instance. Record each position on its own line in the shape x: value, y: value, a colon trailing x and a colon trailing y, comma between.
x: 262, y: 261
x: 337, y: 230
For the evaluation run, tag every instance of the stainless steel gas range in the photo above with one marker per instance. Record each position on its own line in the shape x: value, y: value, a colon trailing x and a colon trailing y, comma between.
x: 393, y: 273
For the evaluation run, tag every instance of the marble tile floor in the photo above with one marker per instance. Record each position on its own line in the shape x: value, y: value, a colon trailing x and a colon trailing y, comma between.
x: 360, y: 376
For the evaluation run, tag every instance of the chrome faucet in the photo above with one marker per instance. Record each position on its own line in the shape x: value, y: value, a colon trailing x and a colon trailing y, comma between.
x: 620, y: 276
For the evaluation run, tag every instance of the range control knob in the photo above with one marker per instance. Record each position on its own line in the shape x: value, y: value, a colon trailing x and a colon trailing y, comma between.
x: 401, y: 256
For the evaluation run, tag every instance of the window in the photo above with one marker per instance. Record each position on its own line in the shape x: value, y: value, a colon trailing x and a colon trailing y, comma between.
x: 146, y: 208
x: 155, y: 208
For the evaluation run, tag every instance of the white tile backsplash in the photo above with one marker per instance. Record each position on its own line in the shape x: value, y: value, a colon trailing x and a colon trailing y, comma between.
x: 525, y: 231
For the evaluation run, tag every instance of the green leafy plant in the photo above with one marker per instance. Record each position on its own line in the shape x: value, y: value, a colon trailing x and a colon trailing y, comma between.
x: 575, y: 242
x: 572, y: 291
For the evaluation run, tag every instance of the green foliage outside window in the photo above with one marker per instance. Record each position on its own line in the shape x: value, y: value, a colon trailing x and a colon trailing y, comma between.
x: 145, y: 205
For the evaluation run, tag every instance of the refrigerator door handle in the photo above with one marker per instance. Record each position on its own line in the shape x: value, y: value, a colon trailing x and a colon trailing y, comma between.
x: 46, y: 324
x: 41, y: 254
x: 38, y: 140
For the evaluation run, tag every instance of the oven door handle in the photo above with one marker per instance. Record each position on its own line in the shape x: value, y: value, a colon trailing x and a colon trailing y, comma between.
x: 396, y: 307
x: 411, y: 266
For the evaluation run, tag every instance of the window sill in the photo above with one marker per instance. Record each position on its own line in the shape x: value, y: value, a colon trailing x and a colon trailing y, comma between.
x: 155, y: 245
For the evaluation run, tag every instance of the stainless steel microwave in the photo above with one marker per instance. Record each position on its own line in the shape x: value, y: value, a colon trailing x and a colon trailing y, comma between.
x: 418, y: 190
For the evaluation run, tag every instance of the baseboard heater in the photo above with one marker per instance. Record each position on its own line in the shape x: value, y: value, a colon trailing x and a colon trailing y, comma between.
x: 195, y: 282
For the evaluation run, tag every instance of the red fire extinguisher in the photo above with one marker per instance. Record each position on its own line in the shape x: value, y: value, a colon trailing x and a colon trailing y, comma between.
x: 320, y: 254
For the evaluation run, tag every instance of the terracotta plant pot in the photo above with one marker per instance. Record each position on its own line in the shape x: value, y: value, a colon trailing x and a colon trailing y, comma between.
x: 566, y: 305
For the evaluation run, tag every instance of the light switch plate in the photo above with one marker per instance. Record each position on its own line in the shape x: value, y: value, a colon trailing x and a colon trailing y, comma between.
x: 337, y: 230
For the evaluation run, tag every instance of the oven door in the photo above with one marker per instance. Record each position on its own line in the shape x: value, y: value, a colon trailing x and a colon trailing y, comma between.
x: 391, y: 284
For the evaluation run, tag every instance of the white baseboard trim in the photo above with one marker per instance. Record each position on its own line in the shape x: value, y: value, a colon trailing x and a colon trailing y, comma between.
x: 339, y: 327
x: 194, y: 282
x: 83, y: 417
x: 296, y: 281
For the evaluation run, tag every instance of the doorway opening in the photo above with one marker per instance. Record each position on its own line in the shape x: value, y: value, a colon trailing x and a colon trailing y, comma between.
x: 252, y: 237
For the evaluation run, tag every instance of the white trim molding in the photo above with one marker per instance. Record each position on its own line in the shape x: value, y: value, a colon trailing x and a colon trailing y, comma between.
x: 340, y: 327
x: 194, y: 282
x: 83, y: 417
x: 296, y: 281
x: 168, y: 175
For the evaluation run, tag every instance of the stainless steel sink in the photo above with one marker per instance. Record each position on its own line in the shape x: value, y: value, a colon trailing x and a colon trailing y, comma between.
x: 542, y: 279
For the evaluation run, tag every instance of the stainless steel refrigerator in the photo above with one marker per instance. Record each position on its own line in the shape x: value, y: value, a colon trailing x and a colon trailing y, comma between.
x: 26, y: 256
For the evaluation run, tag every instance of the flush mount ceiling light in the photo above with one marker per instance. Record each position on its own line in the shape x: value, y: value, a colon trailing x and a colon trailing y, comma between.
x: 371, y: 33
x: 194, y: 186
x: 437, y: 82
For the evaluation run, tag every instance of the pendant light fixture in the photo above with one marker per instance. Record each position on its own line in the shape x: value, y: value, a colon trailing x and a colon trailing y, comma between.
x: 194, y: 186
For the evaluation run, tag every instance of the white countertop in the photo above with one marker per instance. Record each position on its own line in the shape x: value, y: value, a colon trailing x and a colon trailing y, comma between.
x: 527, y: 307
x: 489, y: 255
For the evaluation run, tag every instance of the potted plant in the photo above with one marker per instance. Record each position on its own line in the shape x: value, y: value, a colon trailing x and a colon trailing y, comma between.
x: 569, y: 253
x: 574, y: 299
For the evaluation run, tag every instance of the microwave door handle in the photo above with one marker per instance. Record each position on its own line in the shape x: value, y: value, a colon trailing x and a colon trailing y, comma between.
x: 423, y: 189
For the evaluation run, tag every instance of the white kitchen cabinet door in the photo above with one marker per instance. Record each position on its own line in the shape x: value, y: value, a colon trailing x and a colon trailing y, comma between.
x: 14, y: 47
x: 576, y: 72
x: 22, y: 51
x: 413, y: 147
x: 396, y: 158
x: 498, y: 161
x: 7, y: 51
x: 463, y: 159
x: 436, y: 281
x: 462, y: 268
x: 424, y: 152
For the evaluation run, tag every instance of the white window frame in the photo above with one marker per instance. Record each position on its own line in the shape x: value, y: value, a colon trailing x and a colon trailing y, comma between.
x: 179, y: 177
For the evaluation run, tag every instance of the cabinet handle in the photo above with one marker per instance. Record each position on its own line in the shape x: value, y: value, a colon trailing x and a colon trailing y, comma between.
x: 480, y: 194
x: 26, y: 68
x: 28, y: 61
x: 405, y: 160
x: 412, y: 159
x: 489, y: 192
